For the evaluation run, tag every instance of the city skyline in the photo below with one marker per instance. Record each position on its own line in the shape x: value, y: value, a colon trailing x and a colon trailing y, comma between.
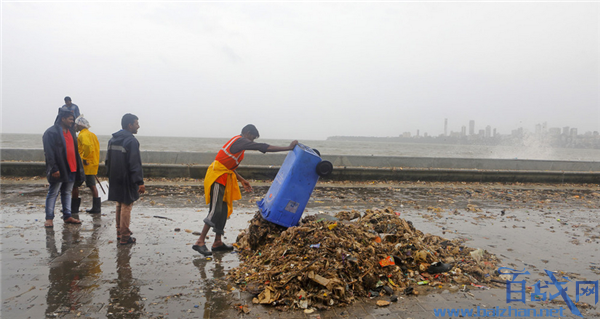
x: 487, y: 130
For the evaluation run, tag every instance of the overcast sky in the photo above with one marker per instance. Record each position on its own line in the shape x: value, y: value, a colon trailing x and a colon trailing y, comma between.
x: 304, y: 70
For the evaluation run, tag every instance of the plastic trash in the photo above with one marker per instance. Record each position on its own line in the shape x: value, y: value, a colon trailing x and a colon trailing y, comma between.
x: 438, y: 267
x: 387, y: 261
x: 388, y: 290
x: 477, y: 254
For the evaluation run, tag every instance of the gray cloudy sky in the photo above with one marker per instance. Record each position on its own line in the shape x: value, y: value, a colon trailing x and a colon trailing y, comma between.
x: 304, y: 70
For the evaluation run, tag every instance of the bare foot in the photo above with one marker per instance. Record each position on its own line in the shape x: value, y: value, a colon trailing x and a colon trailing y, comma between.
x: 72, y: 220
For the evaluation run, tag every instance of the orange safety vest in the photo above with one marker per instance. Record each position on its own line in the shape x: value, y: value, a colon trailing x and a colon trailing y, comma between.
x: 225, y: 157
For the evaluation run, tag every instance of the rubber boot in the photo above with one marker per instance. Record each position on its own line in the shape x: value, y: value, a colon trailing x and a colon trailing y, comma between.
x: 75, y: 202
x: 96, y: 206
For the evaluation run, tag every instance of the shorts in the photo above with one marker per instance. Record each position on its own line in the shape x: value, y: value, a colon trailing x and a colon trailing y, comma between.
x: 90, y: 180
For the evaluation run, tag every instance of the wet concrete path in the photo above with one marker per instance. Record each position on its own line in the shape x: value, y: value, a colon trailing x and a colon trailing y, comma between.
x: 80, y: 271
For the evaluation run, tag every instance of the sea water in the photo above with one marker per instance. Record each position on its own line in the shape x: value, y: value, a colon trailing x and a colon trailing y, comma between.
x: 331, y: 147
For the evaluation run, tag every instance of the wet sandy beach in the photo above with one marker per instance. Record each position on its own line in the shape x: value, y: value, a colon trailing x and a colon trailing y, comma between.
x: 80, y: 271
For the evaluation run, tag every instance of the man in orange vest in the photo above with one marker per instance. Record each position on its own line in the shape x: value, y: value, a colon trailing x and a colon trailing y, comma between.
x: 221, y: 184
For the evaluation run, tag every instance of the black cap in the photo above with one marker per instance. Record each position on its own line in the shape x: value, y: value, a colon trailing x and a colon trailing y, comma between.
x: 67, y: 98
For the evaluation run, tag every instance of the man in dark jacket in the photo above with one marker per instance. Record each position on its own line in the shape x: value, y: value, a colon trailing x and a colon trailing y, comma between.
x: 63, y: 166
x: 125, y: 176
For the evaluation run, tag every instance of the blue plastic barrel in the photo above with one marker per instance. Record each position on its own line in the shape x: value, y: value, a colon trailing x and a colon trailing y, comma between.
x: 287, y: 197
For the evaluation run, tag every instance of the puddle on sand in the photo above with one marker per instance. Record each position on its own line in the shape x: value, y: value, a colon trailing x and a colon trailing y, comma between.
x: 81, y: 269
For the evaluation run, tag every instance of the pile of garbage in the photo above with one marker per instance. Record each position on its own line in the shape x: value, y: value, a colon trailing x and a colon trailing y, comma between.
x: 329, y: 261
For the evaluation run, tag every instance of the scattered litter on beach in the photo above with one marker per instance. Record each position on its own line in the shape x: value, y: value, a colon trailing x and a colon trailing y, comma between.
x: 327, y: 262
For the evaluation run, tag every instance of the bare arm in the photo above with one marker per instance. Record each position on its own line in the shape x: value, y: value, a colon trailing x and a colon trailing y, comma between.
x: 282, y: 148
x: 245, y: 183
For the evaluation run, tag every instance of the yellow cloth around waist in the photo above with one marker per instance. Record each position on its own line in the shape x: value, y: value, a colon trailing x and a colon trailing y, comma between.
x: 232, y: 189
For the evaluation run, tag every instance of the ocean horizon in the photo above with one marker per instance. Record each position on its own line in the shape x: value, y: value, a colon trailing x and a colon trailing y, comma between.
x: 336, y: 147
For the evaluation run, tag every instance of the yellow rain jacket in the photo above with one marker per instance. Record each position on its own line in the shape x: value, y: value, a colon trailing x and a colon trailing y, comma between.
x: 89, y: 150
x: 232, y: 189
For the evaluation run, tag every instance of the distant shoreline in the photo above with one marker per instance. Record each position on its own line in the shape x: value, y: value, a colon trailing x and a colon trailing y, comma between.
x: 445, y: 147
x: 553, y: 141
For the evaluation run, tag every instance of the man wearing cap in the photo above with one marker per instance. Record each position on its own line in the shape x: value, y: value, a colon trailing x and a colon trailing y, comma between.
x: 63, y: 166
x: 221, y: 184
x: 89, y: 150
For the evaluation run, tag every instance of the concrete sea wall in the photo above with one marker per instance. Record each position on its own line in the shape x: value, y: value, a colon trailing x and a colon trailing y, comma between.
x: 30, y: 162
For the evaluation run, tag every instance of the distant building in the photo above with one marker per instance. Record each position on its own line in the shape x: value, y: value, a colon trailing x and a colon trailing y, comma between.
x: 463, y: 131
x: 554, y: 131
x: 488, y: 131
x: 471, y: 127
x: 445, y: 127
x: 565, y: 131
x: 518, y: 132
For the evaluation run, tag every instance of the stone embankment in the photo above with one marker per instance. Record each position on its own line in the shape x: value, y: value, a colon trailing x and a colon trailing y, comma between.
x: 30, y: 162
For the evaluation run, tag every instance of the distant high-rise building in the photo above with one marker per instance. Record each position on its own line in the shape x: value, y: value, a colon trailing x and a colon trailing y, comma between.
x: 565, y: 131
x: 573, y: 132
x: 463, y: 131
x: 445, y: 127
x: 554, y: 131
x: 488, y: 131
x: 471, y: 127
x: 518, y: 132
x: 495, y: 133
x: 418, y: 133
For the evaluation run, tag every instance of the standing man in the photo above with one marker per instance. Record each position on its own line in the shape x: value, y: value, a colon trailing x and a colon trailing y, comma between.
x: 124, y: 167
x: 71, y: 106
x: 221, y: 184
x: 63, y: 166
x: 89, y: 150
